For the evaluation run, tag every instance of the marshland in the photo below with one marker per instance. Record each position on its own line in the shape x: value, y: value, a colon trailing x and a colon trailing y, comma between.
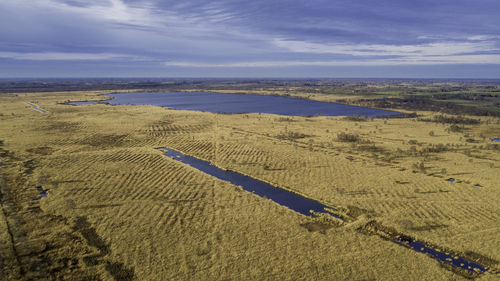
x: 87, y: 194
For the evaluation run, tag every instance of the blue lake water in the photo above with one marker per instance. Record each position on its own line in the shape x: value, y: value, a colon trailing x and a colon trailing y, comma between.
x: 304, y: 205
x: 241, y: 103
x: 497, y: 139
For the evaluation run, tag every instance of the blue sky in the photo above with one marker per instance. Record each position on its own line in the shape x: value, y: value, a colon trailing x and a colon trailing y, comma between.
x: 241, y: 38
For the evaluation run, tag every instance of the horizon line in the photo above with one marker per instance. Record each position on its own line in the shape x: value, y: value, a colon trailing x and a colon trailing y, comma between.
x: 252, y: 78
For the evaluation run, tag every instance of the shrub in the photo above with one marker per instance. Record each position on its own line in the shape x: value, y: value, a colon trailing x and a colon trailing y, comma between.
x: 356, y: 117
x: 455, y: 128
x: 435, y: 148
x: 452, y: 120
x: 419, y: 166
x: 285, y: 119
x: 371, y: 148
x: 347, y: 137
x: 291, y: 136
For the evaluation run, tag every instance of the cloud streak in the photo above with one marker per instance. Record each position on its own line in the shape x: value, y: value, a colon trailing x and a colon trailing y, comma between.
x: 435, y: 60
x: 430, y: 49
x: 63, y: 56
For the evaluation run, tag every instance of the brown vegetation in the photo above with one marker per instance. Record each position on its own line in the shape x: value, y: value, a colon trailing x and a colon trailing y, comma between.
x: 117, y: 209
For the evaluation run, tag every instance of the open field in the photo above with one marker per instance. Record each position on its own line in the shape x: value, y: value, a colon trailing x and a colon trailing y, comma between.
x: 117, y: 209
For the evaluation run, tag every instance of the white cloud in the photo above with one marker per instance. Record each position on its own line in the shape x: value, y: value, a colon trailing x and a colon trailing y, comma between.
x: 112, y: 11
x: 62, y: 56
x: 482, y: 37
x: 431, y: 49
x: 143, y: 13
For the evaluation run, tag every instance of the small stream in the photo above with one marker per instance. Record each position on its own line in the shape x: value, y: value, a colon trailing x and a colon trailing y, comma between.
x: 37, y: 108
x: 304, y: 206
x: 448, y: 258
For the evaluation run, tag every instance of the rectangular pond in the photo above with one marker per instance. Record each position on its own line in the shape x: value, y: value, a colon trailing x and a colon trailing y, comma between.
x: 281, y: 196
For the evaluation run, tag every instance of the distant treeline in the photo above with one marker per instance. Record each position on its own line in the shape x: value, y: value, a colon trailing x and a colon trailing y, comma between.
x: 325, y: 86
x: 424, y: 103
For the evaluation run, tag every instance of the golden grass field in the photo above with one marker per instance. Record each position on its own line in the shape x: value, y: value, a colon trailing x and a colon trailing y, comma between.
x: 117, y: 209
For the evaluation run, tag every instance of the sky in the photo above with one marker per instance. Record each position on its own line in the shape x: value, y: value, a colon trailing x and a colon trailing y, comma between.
x: 257, y: 38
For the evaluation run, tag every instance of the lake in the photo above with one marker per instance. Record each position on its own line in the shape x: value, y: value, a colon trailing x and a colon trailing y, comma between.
x: 240, y: 103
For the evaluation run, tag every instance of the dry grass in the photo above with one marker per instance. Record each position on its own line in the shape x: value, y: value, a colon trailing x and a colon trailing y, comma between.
x: 118, y: 209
